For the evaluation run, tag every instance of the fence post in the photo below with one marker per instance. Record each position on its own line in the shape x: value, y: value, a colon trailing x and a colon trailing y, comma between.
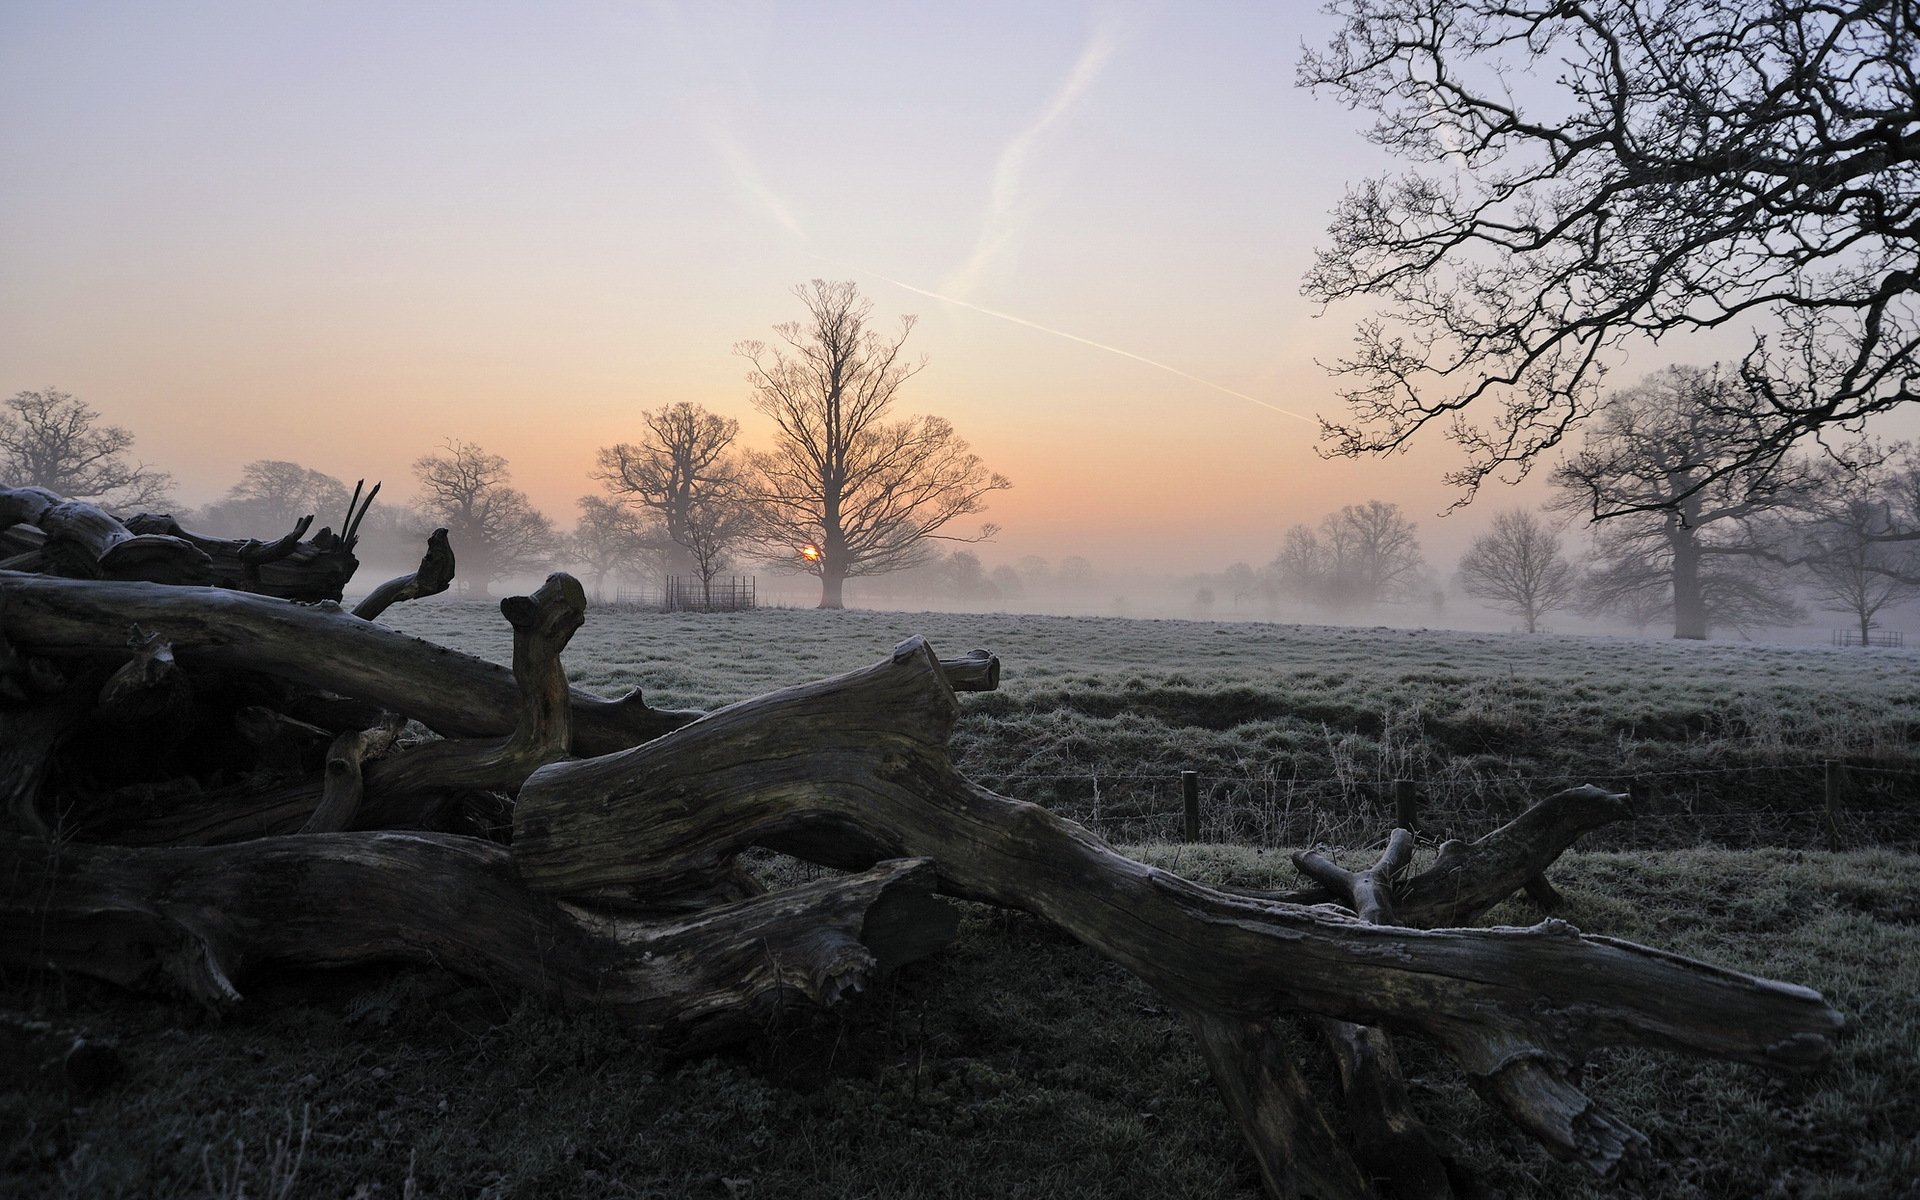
x: 1190, y: 801
x: 1835, y: 779
x: 1406, y: 805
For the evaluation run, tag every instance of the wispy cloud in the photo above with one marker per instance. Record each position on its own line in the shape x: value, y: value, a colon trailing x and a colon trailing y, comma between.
x: 1074, y: 337
x: 746, y: 174
x: 707, y: 41
x: 1001, y: 225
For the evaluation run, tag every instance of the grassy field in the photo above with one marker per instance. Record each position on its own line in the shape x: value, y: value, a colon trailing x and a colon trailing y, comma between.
x: 1297, y: 730
x: 1020, y: 1064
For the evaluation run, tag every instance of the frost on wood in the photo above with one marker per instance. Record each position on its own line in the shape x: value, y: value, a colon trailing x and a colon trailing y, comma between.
x: 590, y: 851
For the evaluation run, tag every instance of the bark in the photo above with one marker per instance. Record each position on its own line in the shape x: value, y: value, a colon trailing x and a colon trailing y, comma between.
x: 974, y: 671
x: 345, y: 786
x: 1295, y: 1149
x: 85, y: 542
x: 289, y: 567
x: 198, y: 919
x: 322, y: 646
x: 1689, y: 602
x: 420, y: 787
x: 1468, y: 878
x: 430, y: 578
x: 854, y: 769
x: 1391, y: 1144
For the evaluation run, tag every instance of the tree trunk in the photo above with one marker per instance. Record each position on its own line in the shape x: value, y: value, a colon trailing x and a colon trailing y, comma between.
x: 454, y: 902
x: 1690, y: 617
x: 455, y: 694
x: 833, y: 579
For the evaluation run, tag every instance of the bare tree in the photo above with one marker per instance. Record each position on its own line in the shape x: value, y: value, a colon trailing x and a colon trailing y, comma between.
x: 612, y: 539
x: 1859, y: 546
x: 1302, y: 566
x: 1687, y: 522
x: 1364, y: 554
x: 685, y: 457
x: 271, y: 496
x: 718, y: 521
x: 495, y: 529
x: 1517, y: 568
x: 52, y: 440
x: 1679, y: 167
x: 846, y: 492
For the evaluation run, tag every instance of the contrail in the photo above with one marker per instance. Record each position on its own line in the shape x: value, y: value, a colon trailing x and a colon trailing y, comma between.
x: 1074, y: 337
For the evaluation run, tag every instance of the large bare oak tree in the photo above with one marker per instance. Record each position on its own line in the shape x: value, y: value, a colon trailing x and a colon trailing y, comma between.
x: 494, y: 527
x: 1690, y: 523
x: 846, y: 492
x: 53, y: 440
x: 685, y: 472
x: 1590, y: 175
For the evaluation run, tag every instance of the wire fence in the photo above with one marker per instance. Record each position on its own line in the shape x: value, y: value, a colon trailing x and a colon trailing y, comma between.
x: 1817, y: 803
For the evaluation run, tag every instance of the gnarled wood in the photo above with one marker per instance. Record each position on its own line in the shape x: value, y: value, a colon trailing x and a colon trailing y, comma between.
x: 1297, y: 1152
x: 289, y: 567
x: 855, y: 768
x: 344, y: 786
x: 1370, y: 892
x: 85, y: 542
x: 455, y: 694
x: 1391, y: 1143
x: 199, y: 918
x: 1468, y: 878
x: 430, y: 578
x: 974, y: 671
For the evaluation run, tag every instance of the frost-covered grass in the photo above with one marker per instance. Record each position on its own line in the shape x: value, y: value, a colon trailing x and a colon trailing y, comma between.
x: 1297, y: 729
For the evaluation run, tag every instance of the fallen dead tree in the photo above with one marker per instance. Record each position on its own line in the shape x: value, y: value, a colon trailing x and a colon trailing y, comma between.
x: 248, y: 781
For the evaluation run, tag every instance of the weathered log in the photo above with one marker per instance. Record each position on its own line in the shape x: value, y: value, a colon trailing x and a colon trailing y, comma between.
x: 1467, y: 878
x: 419, y: 787
x: 1370, y: 892
x: 430, y: 578
x: 31, y: 736
x: 84, y: 541
x: 199, y: 918
x: 289, y: 567
x: 974, y: 671
x: 1391, y: 1143
x: 856, y: 768
x: 320, y: 645
x: 344, y: 786
x: 1297, y: 1152
x: 148, y: 687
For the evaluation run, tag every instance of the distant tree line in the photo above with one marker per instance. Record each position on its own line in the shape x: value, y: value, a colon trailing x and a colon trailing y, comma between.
x: 845, y: 490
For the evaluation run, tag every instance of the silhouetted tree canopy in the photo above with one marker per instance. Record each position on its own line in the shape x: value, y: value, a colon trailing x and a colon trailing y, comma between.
x: 52, y: 440
x: 494, y: 528
x: 1592, y: 175
x: 1697, y: 524
x: 1364, y: 554
x: 682, y: 471
x: 1517, y: 568
x: 1860, y: 537
x: 611, y: 538
x: 846, y: 492
x: 273, y: 494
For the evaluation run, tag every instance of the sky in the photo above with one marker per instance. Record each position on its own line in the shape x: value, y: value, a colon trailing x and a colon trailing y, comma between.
x: 342, y: 233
